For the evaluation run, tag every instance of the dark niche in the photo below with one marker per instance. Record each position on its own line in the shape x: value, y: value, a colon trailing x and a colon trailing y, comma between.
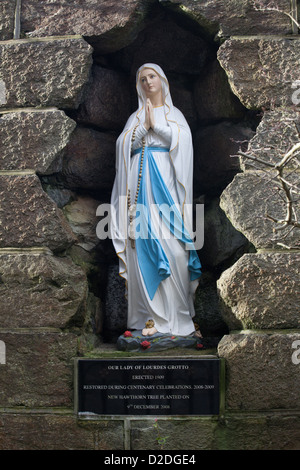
x: 220, y: 126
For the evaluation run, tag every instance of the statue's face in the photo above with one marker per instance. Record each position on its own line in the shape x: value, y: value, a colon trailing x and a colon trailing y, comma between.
x: 150, y: 82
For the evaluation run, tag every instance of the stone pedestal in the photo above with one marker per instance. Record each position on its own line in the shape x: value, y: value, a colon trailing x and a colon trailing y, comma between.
x: 135, y: 342
x: 261, y: 374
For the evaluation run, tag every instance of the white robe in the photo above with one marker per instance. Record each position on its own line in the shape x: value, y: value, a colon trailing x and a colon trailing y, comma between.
x: 172, y: 307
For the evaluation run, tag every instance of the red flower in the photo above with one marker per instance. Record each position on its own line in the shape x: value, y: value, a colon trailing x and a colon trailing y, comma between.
x: 173, y: 337
x: 127, y: 334
x: 145, y: 344
x: 199, y: 346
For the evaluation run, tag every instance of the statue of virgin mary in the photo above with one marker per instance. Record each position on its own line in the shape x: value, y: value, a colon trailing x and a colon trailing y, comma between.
x: 151, y: 220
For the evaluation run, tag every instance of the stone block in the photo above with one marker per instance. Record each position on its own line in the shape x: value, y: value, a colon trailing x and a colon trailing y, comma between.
x: 44, y: 430
x: 89, y: 161
x: 262, y: 291
x: 275, y: 136
x: 166, y: 42
x: 32, y: 139
x: 213, y: 97
x: 207, y: 309
x: 7, y: 19
x: 221, y: 241
x: 260, y: 373
x: 251, y: 198
x: 183, y: 99
x: 39, y: 368
x: 279, y: 430
x: 215, y: 146
x: 261, y: 71
x: 40, y: 290
x: 107, y: 93
x: 28, y: 217
x: 187, y: 434
x: 234, y: 17
x: 234, y: 431
x: 115, y: 302
x: 81, y: 215
x: 49, y: 72
x: 110, y: 24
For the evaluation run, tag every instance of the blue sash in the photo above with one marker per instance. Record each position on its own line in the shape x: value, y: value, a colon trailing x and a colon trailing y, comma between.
x: 153, y: 262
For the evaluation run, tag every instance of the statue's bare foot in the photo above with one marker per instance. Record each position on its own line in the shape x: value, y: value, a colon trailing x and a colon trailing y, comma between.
x: 152, y: 331
x: 149, y: 331
x: 198, y: 334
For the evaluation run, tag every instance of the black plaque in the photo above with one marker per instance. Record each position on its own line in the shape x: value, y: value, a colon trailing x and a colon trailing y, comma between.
x: 148, y: 386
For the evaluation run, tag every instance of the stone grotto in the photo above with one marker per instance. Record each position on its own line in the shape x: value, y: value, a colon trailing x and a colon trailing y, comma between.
x: 67, y: 87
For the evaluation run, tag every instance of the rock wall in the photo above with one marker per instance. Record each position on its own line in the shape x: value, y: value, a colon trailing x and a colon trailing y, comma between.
x: 260, y: 292
x: 66, y: 90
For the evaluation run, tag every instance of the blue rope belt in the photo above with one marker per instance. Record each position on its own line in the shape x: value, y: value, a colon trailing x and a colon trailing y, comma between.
x: 152, y: 149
